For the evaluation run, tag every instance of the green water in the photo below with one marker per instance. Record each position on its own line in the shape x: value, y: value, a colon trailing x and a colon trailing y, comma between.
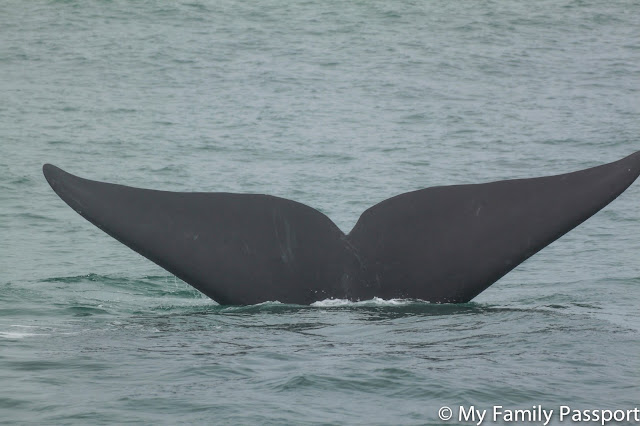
x: 338, y: 105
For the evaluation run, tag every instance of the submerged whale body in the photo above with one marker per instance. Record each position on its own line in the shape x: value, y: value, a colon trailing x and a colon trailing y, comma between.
x: 443, y: 244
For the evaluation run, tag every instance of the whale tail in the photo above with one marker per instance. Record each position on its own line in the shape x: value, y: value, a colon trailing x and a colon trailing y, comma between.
x: 235, y: 248
x: 449, y: 243
x: 441, y: 244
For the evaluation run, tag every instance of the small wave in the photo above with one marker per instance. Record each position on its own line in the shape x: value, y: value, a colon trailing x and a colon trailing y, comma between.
x: 149, y: 284
x: 376, y: 301
x: 85, y: 311
x: 327, y: 303
x: 18, y: 334
x: 258, y: 307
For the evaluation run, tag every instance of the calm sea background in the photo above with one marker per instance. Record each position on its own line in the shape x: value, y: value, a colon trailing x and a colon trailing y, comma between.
x: 339, y: 105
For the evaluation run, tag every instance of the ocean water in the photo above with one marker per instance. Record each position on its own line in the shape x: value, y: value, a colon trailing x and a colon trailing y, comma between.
x: 338, y: 105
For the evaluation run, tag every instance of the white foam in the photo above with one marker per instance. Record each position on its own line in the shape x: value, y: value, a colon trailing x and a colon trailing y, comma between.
x: 17, y: 335
x: 22, y: 334
x: 376, y: 301
x: 269, y: 302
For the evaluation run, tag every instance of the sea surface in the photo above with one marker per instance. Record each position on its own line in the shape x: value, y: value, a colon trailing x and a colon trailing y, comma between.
x: 338, y: 105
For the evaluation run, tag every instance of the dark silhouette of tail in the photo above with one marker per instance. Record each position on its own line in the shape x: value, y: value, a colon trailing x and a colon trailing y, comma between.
x: 441, y: 244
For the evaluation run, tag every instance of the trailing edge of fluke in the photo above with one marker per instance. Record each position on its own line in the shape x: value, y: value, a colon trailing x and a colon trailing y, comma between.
x: 442, y: 244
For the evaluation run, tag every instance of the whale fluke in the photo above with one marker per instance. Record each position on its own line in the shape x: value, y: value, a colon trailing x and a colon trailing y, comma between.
x: 442, y: 244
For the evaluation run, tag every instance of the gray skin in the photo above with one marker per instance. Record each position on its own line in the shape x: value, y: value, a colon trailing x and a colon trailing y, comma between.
x: 443, y: 244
